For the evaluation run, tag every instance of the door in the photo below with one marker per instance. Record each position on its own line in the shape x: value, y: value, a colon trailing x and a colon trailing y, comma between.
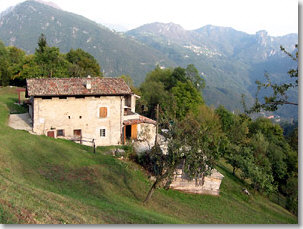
x: 51, y: 133
x: 77, y: 133
x: 134, y: 132
x: 124, y: 134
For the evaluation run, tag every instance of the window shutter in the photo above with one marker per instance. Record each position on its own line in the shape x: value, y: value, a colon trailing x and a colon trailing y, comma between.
x: 103, y: 112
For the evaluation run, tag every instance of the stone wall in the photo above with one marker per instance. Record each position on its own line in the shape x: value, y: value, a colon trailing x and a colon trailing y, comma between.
x: 211, y: 184
x: 146, y: 137
x: 80, y: 113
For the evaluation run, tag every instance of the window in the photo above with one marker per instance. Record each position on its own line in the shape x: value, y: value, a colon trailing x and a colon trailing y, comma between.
x: 102, y: 133
x: 60, y: 133
x: 102, y: 112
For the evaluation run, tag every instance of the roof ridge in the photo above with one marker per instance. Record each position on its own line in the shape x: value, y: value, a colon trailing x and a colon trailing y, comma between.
x: 75, y: 86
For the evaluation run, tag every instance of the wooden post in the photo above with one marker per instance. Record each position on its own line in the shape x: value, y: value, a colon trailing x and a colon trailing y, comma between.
x: 157, y: 119
x: 94, y: 146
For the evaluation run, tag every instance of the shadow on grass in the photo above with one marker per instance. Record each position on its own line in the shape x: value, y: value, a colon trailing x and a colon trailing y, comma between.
x: 15, y: 108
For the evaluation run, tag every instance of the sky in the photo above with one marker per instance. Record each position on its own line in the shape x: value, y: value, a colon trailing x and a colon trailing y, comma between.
x: 277, y: 17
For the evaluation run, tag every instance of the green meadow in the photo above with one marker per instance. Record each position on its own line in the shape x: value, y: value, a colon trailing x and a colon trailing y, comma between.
x: 54, y: 181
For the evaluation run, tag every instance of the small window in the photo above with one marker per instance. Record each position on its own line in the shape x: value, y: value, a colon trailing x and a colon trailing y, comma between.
x: 102, y: 112
x: 102, y: 133
x: 68, y: 117
x: 60, y: 133
x: 80, y: 117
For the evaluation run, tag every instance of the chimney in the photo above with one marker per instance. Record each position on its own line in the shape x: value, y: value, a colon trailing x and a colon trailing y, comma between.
x: 88, y: 83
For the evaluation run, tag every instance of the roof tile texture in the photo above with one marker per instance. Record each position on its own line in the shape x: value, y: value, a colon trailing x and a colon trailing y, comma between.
x: 76, y: 86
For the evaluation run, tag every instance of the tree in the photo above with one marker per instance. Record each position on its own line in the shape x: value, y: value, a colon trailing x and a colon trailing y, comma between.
x: 236, y: 131
x: 4, y: 65
x: 186, y: 98
x: 226, y: 118
x: 42, y: 44
x: 192, y: 74
x: 50, y: 61
x: 16, y: 59
x: 193, y: 142
x: 83, y: 64
x: 155, y: 81
x: 176, y: 93
x: 279, y: 91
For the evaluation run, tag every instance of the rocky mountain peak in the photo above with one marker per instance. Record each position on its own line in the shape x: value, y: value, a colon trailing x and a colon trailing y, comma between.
x: 262, y: 37
x: 48, y: 3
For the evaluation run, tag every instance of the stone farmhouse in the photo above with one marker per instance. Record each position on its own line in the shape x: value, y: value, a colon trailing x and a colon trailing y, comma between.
x: 101, y: 111
x: 98, y: 110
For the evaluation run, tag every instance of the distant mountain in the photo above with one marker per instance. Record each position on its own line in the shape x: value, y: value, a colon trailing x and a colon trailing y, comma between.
x: 22, y: 25
x: 229, y: 60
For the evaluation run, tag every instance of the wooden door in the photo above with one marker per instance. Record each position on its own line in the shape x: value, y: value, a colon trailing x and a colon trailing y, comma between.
x: 51, y: 133
x: 77, y: 133
x: 134, y: 131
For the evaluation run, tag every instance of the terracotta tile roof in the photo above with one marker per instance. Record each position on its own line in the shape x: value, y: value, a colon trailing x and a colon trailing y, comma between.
x: 141, y: 119
x: 76, y: 86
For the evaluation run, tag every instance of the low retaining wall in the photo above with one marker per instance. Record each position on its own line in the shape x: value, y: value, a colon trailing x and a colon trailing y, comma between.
x: 211, y: 184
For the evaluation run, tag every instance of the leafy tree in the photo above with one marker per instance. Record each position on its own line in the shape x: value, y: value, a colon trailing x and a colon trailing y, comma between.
x: 293, y: 139
x: 186, y: 98
x: 28, y: 69
x: 193, y: 142
x: 50, y: 61
x: 83, y: 64
x: 279, y: 91
x: 292, y: 194
x: 4, y: 65
x: 153, y: 92
x: 192, y: 74
x: 226, y: 118
x: 16, y: 59
x: 237, y: 149
x: 236, y: 130
x: 42, y: 44
x: 175, y: 92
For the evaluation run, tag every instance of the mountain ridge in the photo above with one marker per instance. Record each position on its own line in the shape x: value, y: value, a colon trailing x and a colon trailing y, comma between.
x: 229, y: 60
x: 115, y: 53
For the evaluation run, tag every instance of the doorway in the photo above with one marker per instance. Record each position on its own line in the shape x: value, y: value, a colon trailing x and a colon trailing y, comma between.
x: 51, y: 134
x: 128, y: 132
x: 77, y: 133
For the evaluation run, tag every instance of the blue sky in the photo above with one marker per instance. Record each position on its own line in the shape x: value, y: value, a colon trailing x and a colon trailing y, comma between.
x: 278, y: 17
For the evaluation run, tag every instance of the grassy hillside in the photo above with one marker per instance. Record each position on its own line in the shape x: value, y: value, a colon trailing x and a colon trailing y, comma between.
x: 45, y: 180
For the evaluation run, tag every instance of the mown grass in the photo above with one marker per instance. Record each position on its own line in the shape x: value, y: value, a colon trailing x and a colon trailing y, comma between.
x: 45, y: 180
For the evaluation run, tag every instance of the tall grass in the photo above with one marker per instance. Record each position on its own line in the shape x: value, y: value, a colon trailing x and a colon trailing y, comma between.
x: 55, y: 181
